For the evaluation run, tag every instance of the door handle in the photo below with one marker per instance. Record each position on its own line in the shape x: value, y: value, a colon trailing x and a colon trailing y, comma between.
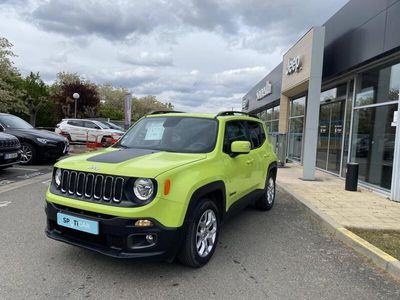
x: 249, y: 162
x: 265, y: 155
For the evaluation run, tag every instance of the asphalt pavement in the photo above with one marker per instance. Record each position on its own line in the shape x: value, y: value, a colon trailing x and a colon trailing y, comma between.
x: 281, y: 254
x: 18, y: 173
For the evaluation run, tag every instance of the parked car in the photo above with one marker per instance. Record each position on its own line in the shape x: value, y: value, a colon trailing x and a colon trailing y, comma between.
x: 164, y: 188
x: 10, y: 150
x: 84, y: 130
x: 36, y: 145
x: 112, y: 125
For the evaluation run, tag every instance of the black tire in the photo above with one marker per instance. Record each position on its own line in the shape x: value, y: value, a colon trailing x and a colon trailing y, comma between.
x: 29, y: 154
x: 267, y: 200
x: 104, y: 142
x: 189, y: 254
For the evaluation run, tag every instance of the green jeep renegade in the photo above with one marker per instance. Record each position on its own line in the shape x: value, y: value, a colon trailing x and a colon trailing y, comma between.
x: 164, y: 189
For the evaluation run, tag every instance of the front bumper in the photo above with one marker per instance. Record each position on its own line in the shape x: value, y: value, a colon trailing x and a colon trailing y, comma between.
x: 118, y: 237
x: 54, y: 150
x: 10, y: 161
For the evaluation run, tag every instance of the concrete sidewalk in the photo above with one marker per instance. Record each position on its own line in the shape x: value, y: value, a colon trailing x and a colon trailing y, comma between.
x: 363, y: 209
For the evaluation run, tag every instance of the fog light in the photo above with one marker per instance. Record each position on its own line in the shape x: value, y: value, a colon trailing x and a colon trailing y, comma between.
x: 150, y: 238
x: 143, y: 223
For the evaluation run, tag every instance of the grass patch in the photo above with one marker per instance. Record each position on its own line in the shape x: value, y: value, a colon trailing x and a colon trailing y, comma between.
x: 386, y: 240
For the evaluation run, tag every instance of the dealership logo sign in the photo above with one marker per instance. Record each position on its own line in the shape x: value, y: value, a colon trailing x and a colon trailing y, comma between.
x: 294, y: 65
x: 265, y: 91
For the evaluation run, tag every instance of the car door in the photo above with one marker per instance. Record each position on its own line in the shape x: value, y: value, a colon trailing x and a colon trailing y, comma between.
x: 258, y: 153
x: 238, y: 168
x: 94, y: 133
x: 76, y: 130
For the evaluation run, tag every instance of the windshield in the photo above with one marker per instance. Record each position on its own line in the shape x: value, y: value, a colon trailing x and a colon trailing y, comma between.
x: 13, y: 122
x: 113, y: 126
x: 173, y: 134
x: 102, y: 125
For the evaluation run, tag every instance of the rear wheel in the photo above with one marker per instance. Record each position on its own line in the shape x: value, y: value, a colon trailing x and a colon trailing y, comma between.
x: 201, y: 235
x: 28, y: 154
x: 105, y: 141
x: 267, y: 200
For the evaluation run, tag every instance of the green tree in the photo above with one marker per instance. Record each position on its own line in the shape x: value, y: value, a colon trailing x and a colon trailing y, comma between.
x: 10, y: 95
x: 144, y: 105
x: 111, y: 101
x: 35, y: 95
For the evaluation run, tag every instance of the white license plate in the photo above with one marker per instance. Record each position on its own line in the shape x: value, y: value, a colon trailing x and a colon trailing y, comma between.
x: 10, y: 155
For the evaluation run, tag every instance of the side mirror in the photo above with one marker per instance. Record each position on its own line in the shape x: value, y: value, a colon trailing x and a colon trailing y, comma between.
x: 240, y: 147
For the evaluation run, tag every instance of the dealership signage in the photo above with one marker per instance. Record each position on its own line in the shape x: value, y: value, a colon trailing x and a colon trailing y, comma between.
x: 265, y: 91
x: 294, y: 65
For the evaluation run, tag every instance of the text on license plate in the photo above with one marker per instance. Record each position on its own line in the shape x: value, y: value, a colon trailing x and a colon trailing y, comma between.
x: 10, y: 155
x: 76, y: 223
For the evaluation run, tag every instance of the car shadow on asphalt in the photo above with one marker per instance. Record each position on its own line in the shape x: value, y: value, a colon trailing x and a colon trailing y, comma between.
x: 236, y: 233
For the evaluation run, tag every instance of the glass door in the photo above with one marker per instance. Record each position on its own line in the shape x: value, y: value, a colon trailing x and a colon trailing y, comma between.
x: 336, y: 136
x: 330, y: 136
x: 296, y: 128
x: 373, y: 144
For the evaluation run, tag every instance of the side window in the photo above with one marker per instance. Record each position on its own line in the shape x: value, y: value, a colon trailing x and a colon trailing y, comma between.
x: 234, y: 131
x: 75, y: 123
x: 257, y: 134
x: 89, y: 124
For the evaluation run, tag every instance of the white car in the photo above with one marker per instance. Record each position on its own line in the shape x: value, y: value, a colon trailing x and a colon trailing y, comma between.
x: 83, y: 130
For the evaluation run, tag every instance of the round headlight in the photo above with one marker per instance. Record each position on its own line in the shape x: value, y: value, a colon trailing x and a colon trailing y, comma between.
x: 57, y: 177
x: 143, y: 188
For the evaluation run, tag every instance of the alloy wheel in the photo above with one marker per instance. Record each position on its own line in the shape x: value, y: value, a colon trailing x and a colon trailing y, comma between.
x: 270, y: 190
x: 26, y: 154
x: 206, y: 233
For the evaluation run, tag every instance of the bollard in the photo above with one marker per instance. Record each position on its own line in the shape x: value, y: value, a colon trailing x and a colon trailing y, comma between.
x: 351, y: 177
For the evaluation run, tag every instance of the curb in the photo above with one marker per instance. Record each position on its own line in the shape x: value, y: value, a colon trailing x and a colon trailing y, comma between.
x: 379, y: 257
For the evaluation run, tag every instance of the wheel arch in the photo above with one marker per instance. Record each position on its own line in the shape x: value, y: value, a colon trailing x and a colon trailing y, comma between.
x: 273, y: 169
x: 215, y: 191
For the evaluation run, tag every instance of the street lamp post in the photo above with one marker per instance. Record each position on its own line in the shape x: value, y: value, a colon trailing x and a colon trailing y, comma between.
x: 76, y: 97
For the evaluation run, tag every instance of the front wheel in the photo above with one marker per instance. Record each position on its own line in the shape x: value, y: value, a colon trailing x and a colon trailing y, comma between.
x: 201, y: 236
x: 28, y: 154
x: 267, y: 200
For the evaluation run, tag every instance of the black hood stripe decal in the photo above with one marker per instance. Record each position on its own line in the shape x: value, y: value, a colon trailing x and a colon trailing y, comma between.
x: 120, y: 155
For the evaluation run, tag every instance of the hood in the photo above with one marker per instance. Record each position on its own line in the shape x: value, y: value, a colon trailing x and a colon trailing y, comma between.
x: 129, y: 162
x: 36, y: 133
x: 116, y: 131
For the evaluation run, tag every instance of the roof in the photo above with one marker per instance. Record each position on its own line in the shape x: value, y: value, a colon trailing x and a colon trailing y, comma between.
x: 226, y: 114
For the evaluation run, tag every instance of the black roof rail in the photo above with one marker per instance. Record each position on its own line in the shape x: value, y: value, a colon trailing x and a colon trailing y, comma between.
x: 233, y: 113
x: 157, y: 112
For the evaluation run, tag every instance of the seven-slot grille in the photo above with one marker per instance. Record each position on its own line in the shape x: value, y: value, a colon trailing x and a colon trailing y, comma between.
x: 98, y: 187
x: 9, y: 143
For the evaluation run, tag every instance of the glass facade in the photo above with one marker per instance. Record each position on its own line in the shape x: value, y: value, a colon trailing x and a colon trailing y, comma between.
x: 378, y: 86
x: 356, y: 124
x: 373, y: 138
x: 271, y: 118
x: 296, y: 128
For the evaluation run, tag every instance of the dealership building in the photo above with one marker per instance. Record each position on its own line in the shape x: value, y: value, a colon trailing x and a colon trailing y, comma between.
x: 334, y: 97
